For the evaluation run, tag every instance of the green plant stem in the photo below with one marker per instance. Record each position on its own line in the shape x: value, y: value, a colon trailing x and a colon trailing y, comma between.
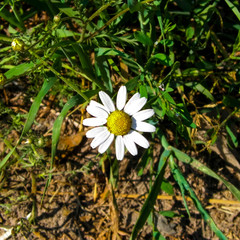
x: 101, y: 9
x: 84, y: 76
x: 17, y: 15
x: 34, y: 150
x: 68, y: 82
x: 33, y: 197
x: 228, y: 117
x: 184, y: 187
x: 217, y: 129
x: 113, y: 19
x: 9, y: 146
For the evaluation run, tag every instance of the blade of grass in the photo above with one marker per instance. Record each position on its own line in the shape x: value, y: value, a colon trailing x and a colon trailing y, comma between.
x: 102, y: 70
x: 178, y: 178
x: 69, y: 82
x: 17, y: 15
x: 149, y: 203
x: 47, y: 84
x: 56, y: 133
x: 199, y: 87
x: 117, y: 15
x: 233, y: 8
x: 5, y: 14
x: 20, y: 69
x: 198, y: 165
x: 84, y: 59
x: 9, y: 146
x: 232, y: 136
x: 184, y: 186
x: 76, y: 100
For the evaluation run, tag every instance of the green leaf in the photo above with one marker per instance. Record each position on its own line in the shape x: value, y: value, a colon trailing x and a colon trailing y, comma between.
x: 167, y: 187
x: 190, y: 33
x: 199, y: 87
x: 4, y: 161
x: 150, y: 201
x: 145, y: 159
x: 132, y: 84
x: 233, y: 8
x: 84, y: 58
x: 5, y: 14
x: 70, y: 12
x: 163, y: 59
x: 179, y: 179
x: 108, y: 52
x: 127, y: 59
x: 157, y: 235
x: 168, y: 97
x: 191, y: 72
x: 232, y: 136
x: 143, y: 38
x: 76, y: 100
x: 20, y: 69
x: 185, y: 115
x: 133, y: 5
x: 167, y: 42
x: 201, y: 167
x: 63, y: 33
x: 47, y: 84
x: 103, y: 73
x: 170, y: 214
x: 184, y: 186
x: 143, y: 91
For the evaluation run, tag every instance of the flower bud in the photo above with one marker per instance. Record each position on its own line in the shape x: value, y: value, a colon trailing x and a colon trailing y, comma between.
x: 40, y: 142
x: 28, y: 141
x: 2, y: 79
x: 56, y: 19
x: 17, y: 45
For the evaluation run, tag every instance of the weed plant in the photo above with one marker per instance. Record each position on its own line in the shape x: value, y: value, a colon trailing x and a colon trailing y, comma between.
x: 183, y: 56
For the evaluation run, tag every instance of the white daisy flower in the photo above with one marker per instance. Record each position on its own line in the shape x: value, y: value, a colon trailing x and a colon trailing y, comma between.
x: 125, y: 122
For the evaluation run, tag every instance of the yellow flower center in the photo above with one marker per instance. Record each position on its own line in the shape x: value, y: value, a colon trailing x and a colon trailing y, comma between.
x: 119, y: 123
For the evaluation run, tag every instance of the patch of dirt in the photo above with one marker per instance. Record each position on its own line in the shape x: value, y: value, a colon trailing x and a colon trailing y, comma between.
x: 77, y: 204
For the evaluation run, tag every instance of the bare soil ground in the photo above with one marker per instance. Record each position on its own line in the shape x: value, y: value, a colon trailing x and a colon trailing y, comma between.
x: 77, y: 204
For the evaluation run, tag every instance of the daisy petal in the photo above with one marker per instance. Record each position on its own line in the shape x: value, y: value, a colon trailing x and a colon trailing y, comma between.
x: 136, y: 105
x: 96, y: 104
x: 94, y: 122
x: 135, y: 97
x: 105, y: 145
x: 144, y: 114
x: 130, y: 145
x: 139, y: 139
x: 119, y: 148
x: 97, y: 112
x: 142, y: 126
x: 107, y: 101
x: 121, y: 97
x: 94, y: 132
x: 100, y: 138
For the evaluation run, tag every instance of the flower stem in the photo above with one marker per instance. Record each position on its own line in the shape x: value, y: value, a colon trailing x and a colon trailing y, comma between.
x: 67, y: 81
